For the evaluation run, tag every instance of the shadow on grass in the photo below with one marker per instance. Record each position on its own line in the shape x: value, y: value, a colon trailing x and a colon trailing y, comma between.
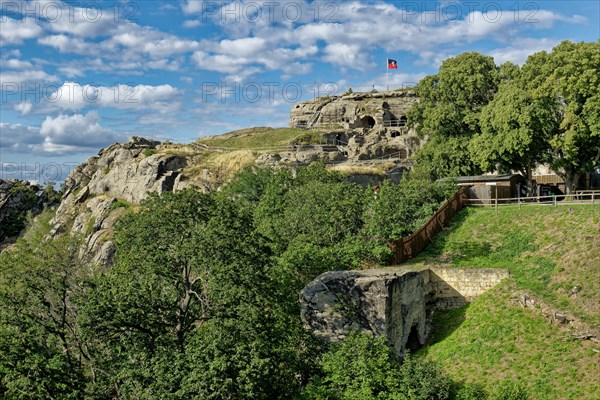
x: 444, y: 323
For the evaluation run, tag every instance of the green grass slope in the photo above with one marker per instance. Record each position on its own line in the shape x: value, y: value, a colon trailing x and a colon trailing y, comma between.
x: 261, y: 138
x: 548, y: 251
x: 493, y: 339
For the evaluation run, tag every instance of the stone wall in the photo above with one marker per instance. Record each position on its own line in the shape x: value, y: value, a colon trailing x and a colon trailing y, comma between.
x: 455, y: 287
x: 397, y: 303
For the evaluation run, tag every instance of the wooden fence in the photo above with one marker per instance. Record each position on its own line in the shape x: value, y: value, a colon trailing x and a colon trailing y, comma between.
x: 410, y: 246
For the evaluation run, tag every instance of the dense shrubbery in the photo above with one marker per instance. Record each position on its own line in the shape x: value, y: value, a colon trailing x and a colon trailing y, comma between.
x: 202, y: 300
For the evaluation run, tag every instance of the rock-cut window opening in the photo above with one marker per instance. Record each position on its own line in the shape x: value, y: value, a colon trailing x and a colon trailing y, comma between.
x: 367, y: 122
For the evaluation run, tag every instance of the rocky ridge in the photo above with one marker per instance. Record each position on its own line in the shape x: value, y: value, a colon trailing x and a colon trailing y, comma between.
x: 356, y: 128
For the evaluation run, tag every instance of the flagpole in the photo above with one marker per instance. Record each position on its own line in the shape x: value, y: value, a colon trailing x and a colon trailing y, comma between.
x: 387, y: 73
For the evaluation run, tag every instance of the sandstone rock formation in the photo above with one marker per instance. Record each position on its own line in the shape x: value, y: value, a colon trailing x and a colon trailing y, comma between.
x: 397, y: 303
x: 368, y: 125
x: 124, y: 173
x: 377, y: 302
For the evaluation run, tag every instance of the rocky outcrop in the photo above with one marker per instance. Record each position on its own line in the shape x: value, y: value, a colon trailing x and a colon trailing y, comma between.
x: 366, y: 126
x: 124, y: 171
x: 396, y: 303
x: 376, y: 302
x: 354, y: 110
x: 98, y: 191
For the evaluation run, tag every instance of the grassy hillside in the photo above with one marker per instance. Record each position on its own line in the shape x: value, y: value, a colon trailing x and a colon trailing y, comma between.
x: 548, y: 250
x: 261, y: 138
x: 493, y: 339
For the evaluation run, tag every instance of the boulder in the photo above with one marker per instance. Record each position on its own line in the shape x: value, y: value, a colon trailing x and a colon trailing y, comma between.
x: 376, y: 302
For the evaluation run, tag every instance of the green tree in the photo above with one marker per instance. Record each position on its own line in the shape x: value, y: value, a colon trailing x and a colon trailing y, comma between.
x: 189, y: 310
x: 401, y: 209
x: 448, y: 111
x: 572, y: 81
x: 42, y: 354
x: 516, y: 130
x: 364, y: 368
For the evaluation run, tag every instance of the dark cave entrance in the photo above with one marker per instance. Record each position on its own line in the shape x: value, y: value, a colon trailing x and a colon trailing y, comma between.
x: 367, y: 122
x: 413, y: 343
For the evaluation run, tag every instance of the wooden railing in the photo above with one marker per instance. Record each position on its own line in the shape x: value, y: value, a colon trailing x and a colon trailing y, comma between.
x: 579, y: 197
x: 410, y: 246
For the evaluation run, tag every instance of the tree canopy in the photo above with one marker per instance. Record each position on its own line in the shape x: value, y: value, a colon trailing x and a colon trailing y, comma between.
x: 482, y: 118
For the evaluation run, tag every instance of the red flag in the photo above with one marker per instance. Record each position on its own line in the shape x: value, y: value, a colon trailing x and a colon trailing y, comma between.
x: 392, y: 64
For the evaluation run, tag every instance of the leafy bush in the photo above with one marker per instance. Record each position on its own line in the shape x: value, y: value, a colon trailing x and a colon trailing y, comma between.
x: 148, y: 152
x: 120, y: 203
x: 401, y: 209
x: 364, y: 368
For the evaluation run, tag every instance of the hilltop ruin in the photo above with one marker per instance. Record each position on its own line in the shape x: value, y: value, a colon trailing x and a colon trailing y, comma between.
x: 369, y: 125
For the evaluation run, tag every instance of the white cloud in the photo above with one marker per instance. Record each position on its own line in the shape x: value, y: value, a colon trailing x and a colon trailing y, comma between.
x: 24, y: 107
x: 71, y: 72
x: 19, y: 77
x: 192, y: 6
x: 16, y: 31
x: 191, y: 23
x: 18, y: 138
x: 61, y: 135
x: 13, y: 63
x: 520, y: 49
x: 70, y: 134
x: 74, y: 96
x: 66, y: 44
x: 348, y: 34
x: 345, y: 55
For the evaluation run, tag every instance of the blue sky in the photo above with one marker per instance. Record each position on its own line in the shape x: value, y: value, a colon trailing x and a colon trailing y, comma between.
x: 78, y: 75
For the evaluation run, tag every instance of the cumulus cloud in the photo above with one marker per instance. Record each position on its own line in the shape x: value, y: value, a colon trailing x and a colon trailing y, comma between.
x: 16, y: 78
x: 347, y: 32
x: 74, y: 96
x: 60, y: 135
x: 17, y: 138
x: 75, y: 133
x: 520, y: 49
x: 24, y: 107
x: 16, y: 31
x: 191, y: 23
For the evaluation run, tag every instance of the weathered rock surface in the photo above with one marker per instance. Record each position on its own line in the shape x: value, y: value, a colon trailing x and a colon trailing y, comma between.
x: 377, y: 302
x: 366, y: 125
x: 397, y: 303
x: 121, y: 172
x: 354, y: 110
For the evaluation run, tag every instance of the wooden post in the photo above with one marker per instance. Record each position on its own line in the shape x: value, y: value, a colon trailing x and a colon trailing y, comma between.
x: 496, y: 187
x: 554, y: 199
x: 592, y: 197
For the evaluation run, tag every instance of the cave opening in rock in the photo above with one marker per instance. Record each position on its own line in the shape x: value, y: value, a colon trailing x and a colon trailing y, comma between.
x: 367, y: 122
x: 413, y: 343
